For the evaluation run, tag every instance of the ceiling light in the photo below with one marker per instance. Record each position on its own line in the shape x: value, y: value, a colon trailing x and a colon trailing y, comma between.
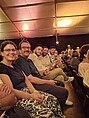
x: 25, y: 27
x: 63, y: 23
x: 57, y: 42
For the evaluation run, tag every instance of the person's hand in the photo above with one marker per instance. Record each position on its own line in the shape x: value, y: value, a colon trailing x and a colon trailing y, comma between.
x: 46, y: 72
x: 37, y: 96
x: 5, y: 89
x: 2, y: 95
x: 52, y: 82
x: 55, y: 63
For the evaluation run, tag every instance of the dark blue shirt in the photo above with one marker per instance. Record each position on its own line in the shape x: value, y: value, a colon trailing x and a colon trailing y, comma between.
x: 27, y: 66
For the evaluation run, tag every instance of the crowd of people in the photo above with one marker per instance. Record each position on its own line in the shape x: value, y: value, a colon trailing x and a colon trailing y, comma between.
x: 35, y: 80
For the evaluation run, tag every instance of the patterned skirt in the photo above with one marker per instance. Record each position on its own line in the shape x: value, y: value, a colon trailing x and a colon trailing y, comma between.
x: 48, y: 108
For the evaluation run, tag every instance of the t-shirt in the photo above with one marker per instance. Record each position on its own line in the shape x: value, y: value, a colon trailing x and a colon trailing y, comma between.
x: 37, y: 62
x: 16, y: 75
x: 27, y: 66
x: 82, y: 68
x: 86, y: 78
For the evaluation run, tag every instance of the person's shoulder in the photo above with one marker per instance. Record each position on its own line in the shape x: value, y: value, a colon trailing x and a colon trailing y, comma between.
x: 19, y: 59
x: 80, y: 64
x: 33, y: 55
x: 84, y: 64
x: 3, y: 68
x: 1, y: 65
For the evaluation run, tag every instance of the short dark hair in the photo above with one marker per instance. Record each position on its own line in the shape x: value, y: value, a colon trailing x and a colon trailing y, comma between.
x: 3, y: 44
x: 39, y: 45
x: 52, y: 47
x: 45, y: 47
x: 83, y: 50
x: 23, y: 41
x: 74, y: 53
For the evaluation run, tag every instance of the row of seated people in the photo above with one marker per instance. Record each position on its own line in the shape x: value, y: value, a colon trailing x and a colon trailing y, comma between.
x: 83, y: 66
x: 75, y: 58
x: 23, y: 78
x: 83, y: 71
x: 80, y: 64
x: 72, y: 60
x: 49, y: 66
x: 81, y: 75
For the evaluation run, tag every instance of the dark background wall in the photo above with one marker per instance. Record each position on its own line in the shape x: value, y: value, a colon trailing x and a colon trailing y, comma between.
x: 74, y: 41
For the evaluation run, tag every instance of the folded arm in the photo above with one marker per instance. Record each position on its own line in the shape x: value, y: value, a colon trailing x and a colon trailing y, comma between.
x: 20, y: 94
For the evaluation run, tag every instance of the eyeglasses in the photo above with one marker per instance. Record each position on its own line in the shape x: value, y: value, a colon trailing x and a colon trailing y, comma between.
x: 26, y: 47
x: 9, y: 50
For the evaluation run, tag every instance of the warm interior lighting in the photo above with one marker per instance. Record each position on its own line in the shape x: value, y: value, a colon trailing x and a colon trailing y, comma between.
x: 63, y: 23
x: 57, y: 42
x: 25, y: 27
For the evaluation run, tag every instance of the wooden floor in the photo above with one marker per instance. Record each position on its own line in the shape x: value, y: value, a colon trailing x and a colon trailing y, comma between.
x: 76, y: 111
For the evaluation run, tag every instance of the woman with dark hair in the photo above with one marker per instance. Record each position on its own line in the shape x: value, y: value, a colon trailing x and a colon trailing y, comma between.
x: 84, y: 55
x: 83, y: 68
x: 37, y: 103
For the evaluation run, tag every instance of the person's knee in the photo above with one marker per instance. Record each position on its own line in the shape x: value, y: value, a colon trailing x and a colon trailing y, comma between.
x: 60, y: 78
x: 59, y: 70
x: 60, y: 83
x: 64, y: 93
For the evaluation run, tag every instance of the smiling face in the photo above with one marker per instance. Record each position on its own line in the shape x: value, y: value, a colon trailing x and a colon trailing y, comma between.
x: 9, y: 52
x: 45, y: 51
x: 52, y: 51
x: 25, y: 49
x: 38, y: 50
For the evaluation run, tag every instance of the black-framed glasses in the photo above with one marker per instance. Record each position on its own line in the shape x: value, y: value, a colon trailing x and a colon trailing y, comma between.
x: 24, y: 47
x: 9, y: 50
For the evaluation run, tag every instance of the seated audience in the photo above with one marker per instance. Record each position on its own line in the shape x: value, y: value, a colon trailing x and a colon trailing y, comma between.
x: 28, y: 67
x: 37, y: 103
x: 45, y: 59
x: 47, y: 72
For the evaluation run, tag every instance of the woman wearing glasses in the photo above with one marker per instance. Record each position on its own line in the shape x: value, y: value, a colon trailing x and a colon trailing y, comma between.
x: 38, y: 104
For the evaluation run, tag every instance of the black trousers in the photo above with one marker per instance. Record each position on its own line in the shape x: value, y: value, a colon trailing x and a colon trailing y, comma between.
x: 58, y: 91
